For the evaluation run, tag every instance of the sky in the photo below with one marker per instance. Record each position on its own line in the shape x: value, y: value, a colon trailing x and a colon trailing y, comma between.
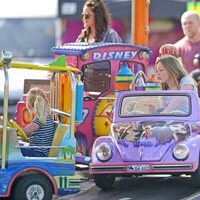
x: 28, y: 8
x: 23, y: 9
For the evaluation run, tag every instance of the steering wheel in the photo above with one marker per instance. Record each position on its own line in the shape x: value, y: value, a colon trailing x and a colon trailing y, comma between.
x: 19, y: 130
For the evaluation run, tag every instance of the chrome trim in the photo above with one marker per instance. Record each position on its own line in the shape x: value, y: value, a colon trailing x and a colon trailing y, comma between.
x: 153, y: 167
x: 108, y: 168
x: 173, y: 167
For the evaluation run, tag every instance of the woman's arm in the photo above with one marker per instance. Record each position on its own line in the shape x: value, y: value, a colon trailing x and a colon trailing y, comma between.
x: 152, y: 108
x: 162, y: 102
x: 177, y: 101
x: 30, y: 128
x: 174, y: 104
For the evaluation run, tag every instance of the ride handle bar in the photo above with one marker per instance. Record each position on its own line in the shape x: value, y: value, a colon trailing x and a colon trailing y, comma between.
x: 6, y: 58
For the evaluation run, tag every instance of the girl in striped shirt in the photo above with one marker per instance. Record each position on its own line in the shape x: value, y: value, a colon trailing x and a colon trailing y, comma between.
x: 41, y: 129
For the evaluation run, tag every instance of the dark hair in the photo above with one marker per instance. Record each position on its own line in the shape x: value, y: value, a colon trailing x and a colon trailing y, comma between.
x: 102, y: 19
x: 195, y: 75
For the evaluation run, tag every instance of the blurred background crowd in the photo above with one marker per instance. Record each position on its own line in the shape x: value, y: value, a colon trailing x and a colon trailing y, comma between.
x: 30, y: 28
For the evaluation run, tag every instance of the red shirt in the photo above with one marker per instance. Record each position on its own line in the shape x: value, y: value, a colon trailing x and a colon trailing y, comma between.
x: 187, y: 50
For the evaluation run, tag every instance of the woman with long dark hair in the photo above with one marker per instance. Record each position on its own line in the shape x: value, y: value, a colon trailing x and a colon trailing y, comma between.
x: 96, y: 20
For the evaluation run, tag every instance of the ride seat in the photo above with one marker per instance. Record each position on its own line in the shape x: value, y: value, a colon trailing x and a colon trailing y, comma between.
x: 60, y: 130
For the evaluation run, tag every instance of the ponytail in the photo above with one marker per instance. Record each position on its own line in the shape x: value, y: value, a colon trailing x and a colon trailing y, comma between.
x: 37, y: 102
x: 40, y: 109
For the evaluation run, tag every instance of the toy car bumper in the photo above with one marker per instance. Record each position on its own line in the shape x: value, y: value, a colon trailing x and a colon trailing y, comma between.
x: 142, y: 168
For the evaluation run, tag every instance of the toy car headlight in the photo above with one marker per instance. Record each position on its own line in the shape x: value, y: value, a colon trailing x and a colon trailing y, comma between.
x: 181, y: 152
x: 103, y: 152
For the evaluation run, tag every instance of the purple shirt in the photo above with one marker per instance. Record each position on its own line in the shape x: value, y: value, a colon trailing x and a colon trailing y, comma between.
x: 187, y: 50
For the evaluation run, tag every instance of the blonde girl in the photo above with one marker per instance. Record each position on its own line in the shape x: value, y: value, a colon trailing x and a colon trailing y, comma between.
x: 41, y: 129
x: 172, y: 76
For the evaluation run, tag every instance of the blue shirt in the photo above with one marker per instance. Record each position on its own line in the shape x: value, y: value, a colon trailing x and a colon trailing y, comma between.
x: 43, y: 136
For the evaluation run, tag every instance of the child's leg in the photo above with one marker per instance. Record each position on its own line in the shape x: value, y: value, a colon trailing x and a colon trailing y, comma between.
x: 31, y: 153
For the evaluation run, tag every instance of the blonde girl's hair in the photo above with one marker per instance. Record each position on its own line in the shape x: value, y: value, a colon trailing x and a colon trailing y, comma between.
x: 174, y: 68
x: 37, y: 102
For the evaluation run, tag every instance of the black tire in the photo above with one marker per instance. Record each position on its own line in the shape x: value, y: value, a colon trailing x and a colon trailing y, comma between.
x: 33, y: 185
x: 195, y: 177
x: 175, y: 175
x: 104, y: 181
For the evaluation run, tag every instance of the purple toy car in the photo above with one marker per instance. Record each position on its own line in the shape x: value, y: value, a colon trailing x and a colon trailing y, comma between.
x: 144, y: 139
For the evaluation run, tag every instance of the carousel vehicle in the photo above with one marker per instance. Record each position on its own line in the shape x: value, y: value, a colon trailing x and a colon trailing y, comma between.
x: 149, y: 141
x: 40, y: 177
x: 99, y: 64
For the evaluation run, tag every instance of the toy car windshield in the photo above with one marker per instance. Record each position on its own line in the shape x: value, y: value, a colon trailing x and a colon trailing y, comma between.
x: 146, y: 105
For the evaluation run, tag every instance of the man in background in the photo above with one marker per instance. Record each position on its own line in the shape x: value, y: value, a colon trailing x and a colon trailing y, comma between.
x: 189, y: 45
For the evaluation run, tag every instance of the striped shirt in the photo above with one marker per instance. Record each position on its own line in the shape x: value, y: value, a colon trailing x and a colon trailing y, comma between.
x: 43, y: 136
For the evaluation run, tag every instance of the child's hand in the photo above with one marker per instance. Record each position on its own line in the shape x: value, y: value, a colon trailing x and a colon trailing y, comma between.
x: 169, y: 49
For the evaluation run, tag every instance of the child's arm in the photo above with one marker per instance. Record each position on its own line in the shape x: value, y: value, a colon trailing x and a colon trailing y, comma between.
x: 31, y: 128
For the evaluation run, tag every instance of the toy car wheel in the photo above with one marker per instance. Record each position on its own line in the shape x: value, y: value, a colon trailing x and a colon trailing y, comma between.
x: 33, y: 186
x: 104, y: 181
x: 196, y: 177
x: 176, y: 174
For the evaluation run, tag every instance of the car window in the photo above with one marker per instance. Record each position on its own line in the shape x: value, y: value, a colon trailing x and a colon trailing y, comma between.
x: 96, y: 78
x: 140, y: 105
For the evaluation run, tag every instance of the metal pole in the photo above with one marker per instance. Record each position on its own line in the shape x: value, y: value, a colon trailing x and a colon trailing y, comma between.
x: 140, y: 22
x: 6, y: 58
x: 73, y: 103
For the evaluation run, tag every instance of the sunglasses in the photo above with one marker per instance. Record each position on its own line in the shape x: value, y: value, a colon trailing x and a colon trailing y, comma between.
x: 86, y: 15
